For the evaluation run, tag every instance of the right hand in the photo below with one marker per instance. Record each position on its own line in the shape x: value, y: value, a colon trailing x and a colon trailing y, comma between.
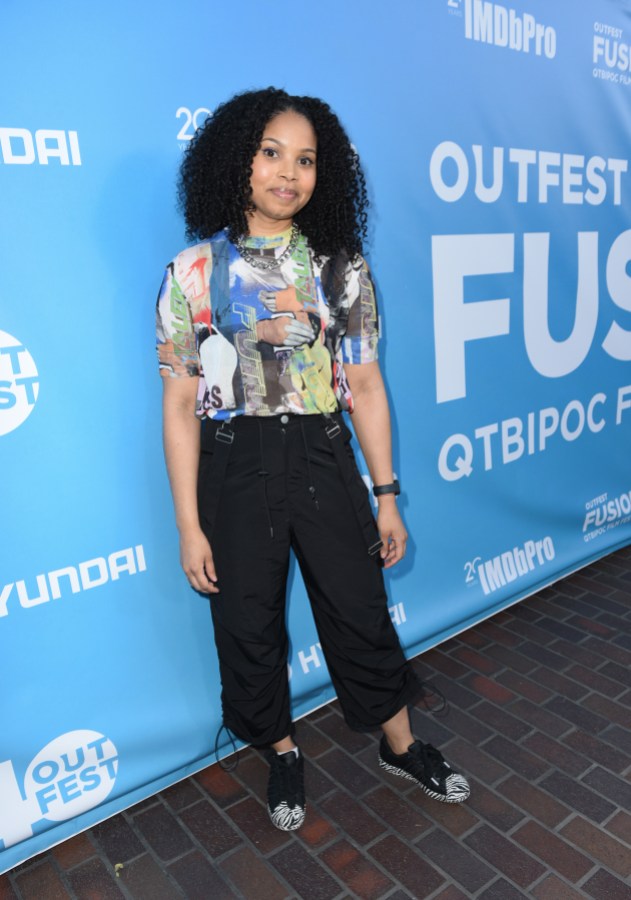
x: 285, y: 331
x: 196, y: 559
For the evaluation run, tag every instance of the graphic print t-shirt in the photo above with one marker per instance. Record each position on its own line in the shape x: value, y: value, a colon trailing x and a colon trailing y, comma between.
x: 222, y: 319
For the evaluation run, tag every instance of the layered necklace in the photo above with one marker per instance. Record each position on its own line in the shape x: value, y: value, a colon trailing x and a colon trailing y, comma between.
x: 268, y: 262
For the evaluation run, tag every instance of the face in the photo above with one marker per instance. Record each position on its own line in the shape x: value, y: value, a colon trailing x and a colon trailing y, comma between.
x: 283, y: 173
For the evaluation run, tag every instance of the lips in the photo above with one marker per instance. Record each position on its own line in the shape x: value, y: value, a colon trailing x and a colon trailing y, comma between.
x: 284, y: 194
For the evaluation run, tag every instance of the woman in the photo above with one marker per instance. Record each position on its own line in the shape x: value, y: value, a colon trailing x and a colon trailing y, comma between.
x: 267, y: 329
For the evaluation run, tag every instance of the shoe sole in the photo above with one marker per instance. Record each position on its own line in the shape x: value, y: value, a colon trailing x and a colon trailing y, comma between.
x: 443, y: 798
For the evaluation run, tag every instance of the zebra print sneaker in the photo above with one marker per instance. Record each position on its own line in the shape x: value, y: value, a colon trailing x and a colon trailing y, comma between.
x: 286, y: 790
x: 425, y: 765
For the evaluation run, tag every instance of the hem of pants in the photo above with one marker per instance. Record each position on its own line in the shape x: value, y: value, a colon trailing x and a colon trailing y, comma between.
x: 412, y: 691
x: 257, y: 743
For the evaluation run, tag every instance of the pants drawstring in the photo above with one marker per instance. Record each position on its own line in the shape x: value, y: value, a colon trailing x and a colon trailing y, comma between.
x: 312, y: 490
x: 263, y: 473
x: 231, y: 766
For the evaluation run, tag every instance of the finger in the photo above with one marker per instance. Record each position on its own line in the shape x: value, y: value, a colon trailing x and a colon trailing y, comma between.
x: 203, y: 585
x: 200, y: 582
x: 202, y: 576
x: 295, y: 340
x: 207, y: 575
x: 301, y: 330
x: 387, y: 551
x: 211, y: 576
x: 387, y: 537
x: 401, y: 547
x: 298, y: 326
x: 396, y: 552
x: 195, y: 584
x: 209, y: 566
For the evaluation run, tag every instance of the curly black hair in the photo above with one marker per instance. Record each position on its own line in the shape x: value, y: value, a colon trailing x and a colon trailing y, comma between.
x: 214, y: 184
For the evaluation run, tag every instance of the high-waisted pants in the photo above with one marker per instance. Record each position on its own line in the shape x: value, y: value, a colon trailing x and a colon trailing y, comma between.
x: 268, y: 485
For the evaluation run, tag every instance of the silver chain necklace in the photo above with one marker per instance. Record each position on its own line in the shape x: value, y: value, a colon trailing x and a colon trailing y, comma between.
x: 269, y: 262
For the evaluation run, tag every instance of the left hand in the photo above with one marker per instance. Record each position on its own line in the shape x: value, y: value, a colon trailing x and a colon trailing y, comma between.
x: 392, y: 532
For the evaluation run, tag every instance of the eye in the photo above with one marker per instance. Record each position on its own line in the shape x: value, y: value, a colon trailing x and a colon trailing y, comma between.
x: 306, y: 161
x: 269, y: 152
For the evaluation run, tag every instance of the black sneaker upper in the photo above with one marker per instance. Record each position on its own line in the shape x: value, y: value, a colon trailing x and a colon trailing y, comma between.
x: 423, y: 761
x: 286, y: 780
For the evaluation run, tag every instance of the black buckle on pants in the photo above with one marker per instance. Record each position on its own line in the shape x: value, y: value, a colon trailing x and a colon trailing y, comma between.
x: 332, y: 430
x: 224, y: 434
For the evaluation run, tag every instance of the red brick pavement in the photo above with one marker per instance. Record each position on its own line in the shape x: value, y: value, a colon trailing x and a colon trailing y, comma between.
x: 539, y: 719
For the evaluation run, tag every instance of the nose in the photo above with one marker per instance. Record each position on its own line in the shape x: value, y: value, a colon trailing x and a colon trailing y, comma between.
x: 288, y: 172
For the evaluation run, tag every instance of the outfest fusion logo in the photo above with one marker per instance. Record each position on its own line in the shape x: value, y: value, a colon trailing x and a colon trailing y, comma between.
x: 611, y: 56
x: 605, y: 512
x: 526, y: 175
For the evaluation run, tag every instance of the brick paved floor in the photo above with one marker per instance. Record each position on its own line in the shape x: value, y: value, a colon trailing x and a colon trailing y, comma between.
x: 540, y: 719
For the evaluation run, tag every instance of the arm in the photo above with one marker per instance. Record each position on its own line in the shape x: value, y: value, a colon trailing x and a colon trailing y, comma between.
x: 181, y: 450
x: 371, y: 421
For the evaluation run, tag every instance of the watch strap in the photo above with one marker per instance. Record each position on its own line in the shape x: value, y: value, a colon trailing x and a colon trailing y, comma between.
x: 393, y: 488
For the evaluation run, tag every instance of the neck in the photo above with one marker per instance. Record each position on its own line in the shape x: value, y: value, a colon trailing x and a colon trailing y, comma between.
x: 259, y: 226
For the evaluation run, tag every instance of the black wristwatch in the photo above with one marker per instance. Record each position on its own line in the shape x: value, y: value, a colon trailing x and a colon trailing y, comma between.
x: 394, y: 488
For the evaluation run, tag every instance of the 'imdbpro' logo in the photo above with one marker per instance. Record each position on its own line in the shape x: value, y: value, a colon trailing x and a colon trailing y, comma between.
x: 510, y: 565
x: 19, y: 383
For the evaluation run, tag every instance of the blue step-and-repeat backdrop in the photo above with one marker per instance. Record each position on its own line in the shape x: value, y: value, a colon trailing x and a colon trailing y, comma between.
x: 495, y: 139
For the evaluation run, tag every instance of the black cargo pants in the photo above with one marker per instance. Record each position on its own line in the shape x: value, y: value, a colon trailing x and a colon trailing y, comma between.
x: 268, y: 485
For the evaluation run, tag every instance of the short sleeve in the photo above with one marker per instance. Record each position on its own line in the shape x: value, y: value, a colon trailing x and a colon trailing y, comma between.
x: 360, y: 342
x: 175, y: 334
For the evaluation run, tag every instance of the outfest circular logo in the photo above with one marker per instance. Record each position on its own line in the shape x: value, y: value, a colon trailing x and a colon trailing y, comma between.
x: 19, y: 383
x: 72, y: 774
